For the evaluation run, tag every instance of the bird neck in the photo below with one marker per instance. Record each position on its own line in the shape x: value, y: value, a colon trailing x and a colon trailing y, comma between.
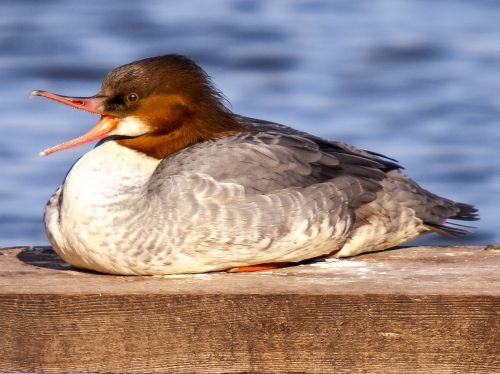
x: 183, y: 132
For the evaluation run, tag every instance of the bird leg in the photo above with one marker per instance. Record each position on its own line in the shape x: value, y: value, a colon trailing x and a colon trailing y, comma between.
x: 251, y: 268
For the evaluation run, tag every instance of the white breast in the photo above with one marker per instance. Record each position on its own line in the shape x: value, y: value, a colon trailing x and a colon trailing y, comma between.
x: 107, y: 171
x: 106, y: 184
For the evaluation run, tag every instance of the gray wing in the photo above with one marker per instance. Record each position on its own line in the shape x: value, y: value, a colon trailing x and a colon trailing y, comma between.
x: 265, y: 162
x: 325, y: 145
x: 265, y: 196
x: 433, y: 210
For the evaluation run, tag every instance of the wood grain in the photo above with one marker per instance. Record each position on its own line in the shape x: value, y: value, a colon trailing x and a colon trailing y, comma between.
x: 425, y: 309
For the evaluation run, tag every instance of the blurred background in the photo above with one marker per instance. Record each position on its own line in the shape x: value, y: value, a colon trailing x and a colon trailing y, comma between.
x: 416, y: 80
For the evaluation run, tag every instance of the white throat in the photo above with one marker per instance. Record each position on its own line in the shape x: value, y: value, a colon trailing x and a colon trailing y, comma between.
x: 130, y: 126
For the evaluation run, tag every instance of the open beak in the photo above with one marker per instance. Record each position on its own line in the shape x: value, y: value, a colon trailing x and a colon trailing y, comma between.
x: 90, y: 104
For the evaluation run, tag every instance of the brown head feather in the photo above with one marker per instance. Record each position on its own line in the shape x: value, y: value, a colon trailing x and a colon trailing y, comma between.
x: 176, y: 100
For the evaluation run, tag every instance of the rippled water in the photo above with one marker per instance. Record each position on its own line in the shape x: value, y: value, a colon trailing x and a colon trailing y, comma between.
x: 416, y: 80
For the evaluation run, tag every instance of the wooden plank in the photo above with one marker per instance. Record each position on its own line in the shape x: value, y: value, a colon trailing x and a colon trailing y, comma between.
x: 425, y: 309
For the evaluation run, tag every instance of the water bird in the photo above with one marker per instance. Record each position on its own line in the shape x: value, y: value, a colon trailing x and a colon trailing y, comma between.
x: 178, y: 183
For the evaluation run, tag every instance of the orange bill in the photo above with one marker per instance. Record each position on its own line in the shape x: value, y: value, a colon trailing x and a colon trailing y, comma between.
x: 90, y: 104
x: 99, y: 131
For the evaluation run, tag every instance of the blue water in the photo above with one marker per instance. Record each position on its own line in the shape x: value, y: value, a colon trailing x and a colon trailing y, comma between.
x: 416, y: 80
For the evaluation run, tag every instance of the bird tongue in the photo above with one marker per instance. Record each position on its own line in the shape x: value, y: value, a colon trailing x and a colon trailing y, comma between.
x: 99, y: 131
x: 90, y: 104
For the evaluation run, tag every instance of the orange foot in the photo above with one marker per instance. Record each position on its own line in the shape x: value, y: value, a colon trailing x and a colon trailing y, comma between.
x: 269, y: 266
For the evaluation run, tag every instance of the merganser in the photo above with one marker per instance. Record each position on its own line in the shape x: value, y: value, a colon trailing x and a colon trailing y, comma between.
x: 180, y: 184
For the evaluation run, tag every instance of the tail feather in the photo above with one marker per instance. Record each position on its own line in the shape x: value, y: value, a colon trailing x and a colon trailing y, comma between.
x: 465, y: 212
x: 450, y: 231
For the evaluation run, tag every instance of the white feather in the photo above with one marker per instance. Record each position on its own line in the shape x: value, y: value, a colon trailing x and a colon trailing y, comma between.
x: 131, y: 126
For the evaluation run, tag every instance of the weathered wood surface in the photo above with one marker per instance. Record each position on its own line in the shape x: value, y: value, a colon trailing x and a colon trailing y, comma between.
x: 425, y: 309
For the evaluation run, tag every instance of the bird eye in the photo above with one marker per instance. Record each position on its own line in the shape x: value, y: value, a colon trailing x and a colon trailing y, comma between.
x: 132, y: 98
